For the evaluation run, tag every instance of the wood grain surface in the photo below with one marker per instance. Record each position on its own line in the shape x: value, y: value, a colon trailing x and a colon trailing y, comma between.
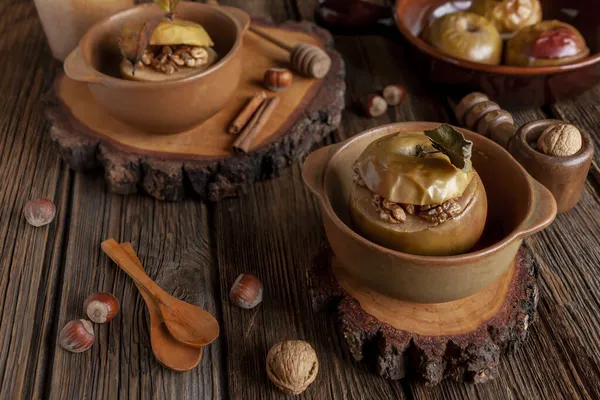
x: 196, y: 251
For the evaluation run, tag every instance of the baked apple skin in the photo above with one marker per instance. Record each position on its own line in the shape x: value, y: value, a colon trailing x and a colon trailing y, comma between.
x: 508, y: 16
x: 467, y: 36
x: 420, y: 237
x: 549, y: 43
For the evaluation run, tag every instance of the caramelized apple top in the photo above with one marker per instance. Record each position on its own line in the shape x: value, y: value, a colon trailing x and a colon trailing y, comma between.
x: 406, y: 168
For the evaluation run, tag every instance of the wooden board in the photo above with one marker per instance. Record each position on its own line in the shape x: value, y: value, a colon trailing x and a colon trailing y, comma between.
x: 161, y: 164
x: 462, y: 339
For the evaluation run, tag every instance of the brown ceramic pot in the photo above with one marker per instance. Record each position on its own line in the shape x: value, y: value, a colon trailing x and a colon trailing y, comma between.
x: 518, y: 206
x: 169, y: 106
x: 563, y: 176
x: 508, y: 85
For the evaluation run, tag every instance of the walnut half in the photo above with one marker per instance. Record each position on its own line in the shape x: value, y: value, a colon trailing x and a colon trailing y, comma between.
x: 292, y: 366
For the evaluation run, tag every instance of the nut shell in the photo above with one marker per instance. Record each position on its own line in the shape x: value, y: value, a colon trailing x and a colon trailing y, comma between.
x: 247, y: 291
x: 278, y: 79
x: 77, y: 336
x: 292, y: 366
x: 560, y: 140
x: 39, y: 212
x: 101, y: 307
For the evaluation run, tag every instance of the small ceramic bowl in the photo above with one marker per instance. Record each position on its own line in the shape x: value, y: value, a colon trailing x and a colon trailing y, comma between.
x: 168, y: 106
x: 508, y: 85
x: 563, y: 176
x: 518, y: 206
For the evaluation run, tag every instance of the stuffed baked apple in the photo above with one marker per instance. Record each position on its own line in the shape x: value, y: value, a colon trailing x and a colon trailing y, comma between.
x: 165, y: 47
x: 548, y: 43
x: 508, y: 16
x: 410, y: 197
x: 467, y: 36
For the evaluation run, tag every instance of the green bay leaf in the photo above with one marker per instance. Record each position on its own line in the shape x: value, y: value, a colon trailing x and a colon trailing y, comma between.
x: 453, y: 144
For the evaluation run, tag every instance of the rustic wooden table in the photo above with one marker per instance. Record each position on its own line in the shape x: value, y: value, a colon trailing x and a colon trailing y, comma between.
x: 196, y: 250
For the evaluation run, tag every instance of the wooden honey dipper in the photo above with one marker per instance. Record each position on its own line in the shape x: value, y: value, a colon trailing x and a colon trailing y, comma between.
x: 563, y: 176
x: 307, y: 59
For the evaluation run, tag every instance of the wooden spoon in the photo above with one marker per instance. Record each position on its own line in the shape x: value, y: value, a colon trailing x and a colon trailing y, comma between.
x: 186, y: 322
x: 168, y: 351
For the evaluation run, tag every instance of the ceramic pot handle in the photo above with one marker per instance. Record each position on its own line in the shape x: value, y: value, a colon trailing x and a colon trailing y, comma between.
x: 313, y: 170
x: 240, y: 16
x: 544, y: 210
x: 76, y: 68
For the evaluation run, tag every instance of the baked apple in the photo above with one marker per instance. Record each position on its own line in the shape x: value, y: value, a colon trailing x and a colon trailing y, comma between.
x: 467, y: 36
x: 176, y: 49
x: 409, y: 197
x: 548, y: 43
x: 508, y: 16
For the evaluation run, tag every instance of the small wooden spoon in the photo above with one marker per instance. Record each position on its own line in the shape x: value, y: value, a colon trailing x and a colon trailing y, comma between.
x: 186, y: 322
x: 168, y: 351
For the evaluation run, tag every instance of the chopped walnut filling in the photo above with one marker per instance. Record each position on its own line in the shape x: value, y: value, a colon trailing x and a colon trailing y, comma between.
x: 168, y: 59
x: 395, y: 213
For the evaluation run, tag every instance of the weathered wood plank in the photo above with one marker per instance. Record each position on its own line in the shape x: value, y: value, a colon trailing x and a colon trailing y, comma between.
x: 173, y: 244
x: 29, y: 168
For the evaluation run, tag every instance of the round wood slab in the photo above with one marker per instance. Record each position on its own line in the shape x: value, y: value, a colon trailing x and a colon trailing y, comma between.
x: 201, y: 160
x: 461, y: 340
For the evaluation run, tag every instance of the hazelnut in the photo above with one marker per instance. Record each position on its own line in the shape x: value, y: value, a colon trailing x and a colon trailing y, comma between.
x: 278, y: 79
x: 560, y: 140
x: 39, y: 212
x: 101, y: 307
x: 393, y: 94
x: 77, y: 336
x: 374, y: 106
x: 292, y: 366
x: 246, y: 292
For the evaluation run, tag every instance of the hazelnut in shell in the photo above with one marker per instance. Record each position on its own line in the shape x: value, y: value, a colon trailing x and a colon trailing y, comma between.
x: 278, y: 79
x: 247, y: 291
x: 292, y: 366
x: 77, y: 336
x: 467, y: 36
x: 560, y: 140
x: 393, y: 94
x: 39, y: 212
x: 548, y: 43
x: 508, y: 16
x: 101, y: 307
x: 444, y: 208
x: 374, y: 105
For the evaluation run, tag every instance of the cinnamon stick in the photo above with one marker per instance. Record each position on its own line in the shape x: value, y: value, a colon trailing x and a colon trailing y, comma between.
x: 247, y: 112
x: 244, y: 141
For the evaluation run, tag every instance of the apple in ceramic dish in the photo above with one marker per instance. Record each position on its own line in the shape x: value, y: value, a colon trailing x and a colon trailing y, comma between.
x: 548, y: 43
x: 409, y: 197
x: 467, y: 36
x: 508, y: 16
x: 176, y: 49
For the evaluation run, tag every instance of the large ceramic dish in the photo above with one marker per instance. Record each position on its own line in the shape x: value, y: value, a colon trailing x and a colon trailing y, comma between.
x: 508, y: 85
x: 169, y: 106
x: 518, y: 206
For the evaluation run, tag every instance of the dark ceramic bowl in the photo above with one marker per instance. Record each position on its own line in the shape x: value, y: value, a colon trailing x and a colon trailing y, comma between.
x: 508, y: 85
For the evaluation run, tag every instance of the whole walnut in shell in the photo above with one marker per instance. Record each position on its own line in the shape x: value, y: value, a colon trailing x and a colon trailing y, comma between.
x: 292, y: 366
x: 560, y: 140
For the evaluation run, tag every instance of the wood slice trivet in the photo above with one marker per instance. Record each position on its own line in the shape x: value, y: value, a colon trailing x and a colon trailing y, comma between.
x: 461, y: 340
x: 201, y: 160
